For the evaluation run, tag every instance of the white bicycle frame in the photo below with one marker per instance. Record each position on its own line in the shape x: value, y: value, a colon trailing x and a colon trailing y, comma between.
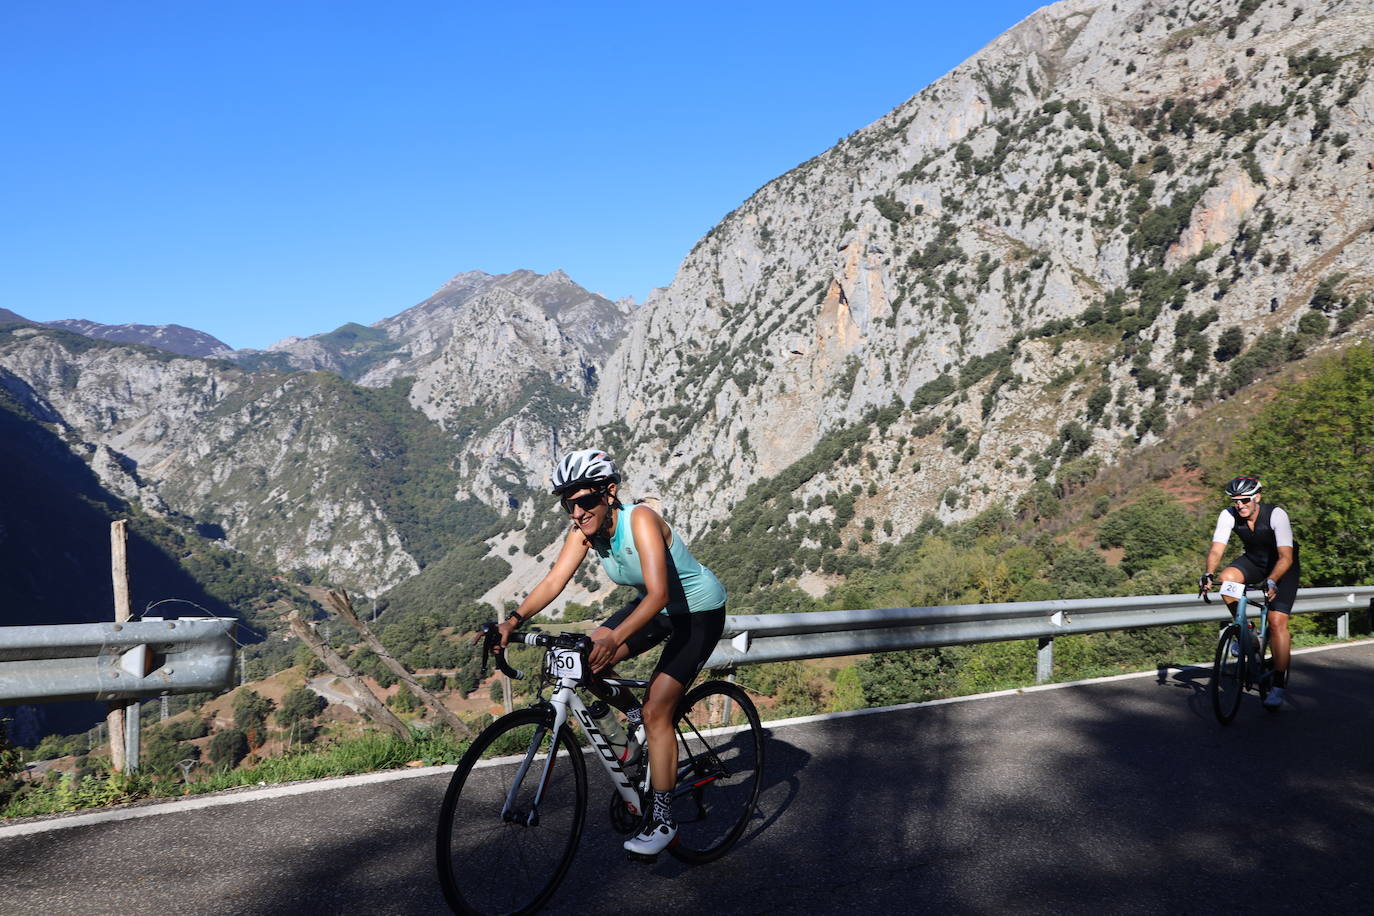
x: 567, y: 665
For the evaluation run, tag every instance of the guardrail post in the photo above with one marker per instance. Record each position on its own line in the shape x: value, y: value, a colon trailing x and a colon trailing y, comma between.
x: 1343, y: 626
x: 1044, y: 660
x: 123, y: 714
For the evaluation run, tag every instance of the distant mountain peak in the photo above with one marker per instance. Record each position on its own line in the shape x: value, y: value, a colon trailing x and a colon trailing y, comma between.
x: 173, y: 338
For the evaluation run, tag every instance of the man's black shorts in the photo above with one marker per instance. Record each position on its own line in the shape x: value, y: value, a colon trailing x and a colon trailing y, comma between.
x: 691, y: 639
x: 1288, y: 585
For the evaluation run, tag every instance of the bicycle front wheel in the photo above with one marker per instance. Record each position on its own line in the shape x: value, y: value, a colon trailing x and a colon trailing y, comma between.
x: 512, y: 816
x: 720, y: 770
x: 1228, y: 675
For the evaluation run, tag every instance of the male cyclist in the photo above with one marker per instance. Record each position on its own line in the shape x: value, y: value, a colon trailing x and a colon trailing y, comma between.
x: 679, y: 600
x: 1271, y: 555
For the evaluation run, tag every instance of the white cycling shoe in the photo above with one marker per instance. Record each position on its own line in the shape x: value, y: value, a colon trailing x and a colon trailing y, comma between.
x: 1274, y: 699
x: 652, y: 840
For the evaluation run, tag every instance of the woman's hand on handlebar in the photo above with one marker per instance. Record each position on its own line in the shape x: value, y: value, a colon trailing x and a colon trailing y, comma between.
x: 506, y: 628
x: 605, y: 644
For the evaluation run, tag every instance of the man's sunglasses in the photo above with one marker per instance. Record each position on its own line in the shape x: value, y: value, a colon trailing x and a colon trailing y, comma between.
x: 586, y: 502
x: 1243, y: 500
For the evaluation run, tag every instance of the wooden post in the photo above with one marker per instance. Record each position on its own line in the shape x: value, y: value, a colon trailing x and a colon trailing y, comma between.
x: 341, y: 603
x: 119, y: 575
x: 507, y: 701
x: 373, y: 708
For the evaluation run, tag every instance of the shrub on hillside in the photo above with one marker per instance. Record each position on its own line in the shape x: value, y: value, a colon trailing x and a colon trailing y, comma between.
x: 228, y: 748
x: 1148, y: 529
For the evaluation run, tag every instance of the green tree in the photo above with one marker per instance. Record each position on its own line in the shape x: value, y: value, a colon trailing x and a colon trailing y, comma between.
x: 307, y: 660
x: 1229, y: 344
x: 1148, y: 529
x: 889, y: 678
x: 574, y: 612
x: 251, y: 710
x: 1314, y: 446
x: 301, y: 704
x: 186, y: 729
x: 1083, y: 574
x: 228, y: 747
x: 10, y: 762
x: 849, y: 691
x: 403, y: 700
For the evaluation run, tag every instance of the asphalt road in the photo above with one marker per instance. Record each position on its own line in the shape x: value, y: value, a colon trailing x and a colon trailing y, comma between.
x: 1118, y: 797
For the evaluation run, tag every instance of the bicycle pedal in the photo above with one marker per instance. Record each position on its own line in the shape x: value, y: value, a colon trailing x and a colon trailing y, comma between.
x: 647, y: 859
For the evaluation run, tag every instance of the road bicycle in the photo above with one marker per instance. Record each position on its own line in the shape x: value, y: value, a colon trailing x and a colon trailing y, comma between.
x: 1243, y: 660
x: 515, y: 807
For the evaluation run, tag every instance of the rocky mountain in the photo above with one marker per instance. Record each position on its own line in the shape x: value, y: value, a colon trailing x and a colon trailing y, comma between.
x: 587, y: 324
x: 362, y: 484
x: 504, y: 362
x: 1112, y: 214
x: 170, y: 337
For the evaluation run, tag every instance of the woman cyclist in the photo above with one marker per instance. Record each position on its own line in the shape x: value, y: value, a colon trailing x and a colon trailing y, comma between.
x: 679, y: 600
x: 1271, y: 556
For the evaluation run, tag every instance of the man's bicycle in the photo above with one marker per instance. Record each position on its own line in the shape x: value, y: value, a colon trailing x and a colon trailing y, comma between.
x: 1243, y: 659
x: 514, y: 810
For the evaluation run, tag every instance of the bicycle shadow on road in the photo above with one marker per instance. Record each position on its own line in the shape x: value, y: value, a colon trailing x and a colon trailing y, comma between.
x: 782, y: 764
x: 779, y: 790
x: 1195, y: 679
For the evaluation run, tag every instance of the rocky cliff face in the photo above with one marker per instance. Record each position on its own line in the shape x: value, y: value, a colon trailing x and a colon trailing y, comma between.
x: 1039, y: 257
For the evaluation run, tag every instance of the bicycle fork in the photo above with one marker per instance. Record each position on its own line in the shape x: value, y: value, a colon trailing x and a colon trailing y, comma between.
x: 509, y: 812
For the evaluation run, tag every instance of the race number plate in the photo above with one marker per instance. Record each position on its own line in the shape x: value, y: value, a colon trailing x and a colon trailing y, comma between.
x: 565, y: 663
x: 1233, y: 589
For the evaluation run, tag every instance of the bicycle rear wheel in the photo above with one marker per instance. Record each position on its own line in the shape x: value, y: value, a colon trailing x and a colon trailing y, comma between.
x: 720, y: 770
x: 1228, y: 675
x: 497, y: 852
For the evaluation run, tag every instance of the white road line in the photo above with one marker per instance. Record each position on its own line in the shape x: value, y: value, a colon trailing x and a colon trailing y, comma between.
x: 176, y: 806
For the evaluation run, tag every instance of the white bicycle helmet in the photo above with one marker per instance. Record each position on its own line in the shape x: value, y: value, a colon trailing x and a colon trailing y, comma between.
x: 589, y: 467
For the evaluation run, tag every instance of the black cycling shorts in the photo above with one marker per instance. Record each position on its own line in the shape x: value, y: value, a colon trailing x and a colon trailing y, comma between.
x: 1287, y: 586
x: 691, y: 639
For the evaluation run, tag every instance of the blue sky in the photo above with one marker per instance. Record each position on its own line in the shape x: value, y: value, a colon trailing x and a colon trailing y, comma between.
x: 256, y: 170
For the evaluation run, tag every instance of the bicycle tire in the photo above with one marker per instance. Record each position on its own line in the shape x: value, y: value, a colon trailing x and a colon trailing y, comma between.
x: 488, y: 864
x: 1228, y: 675
x: 720, y: 771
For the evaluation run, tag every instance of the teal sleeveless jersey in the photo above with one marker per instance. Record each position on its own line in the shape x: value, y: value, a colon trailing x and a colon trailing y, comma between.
x: 691, y: 587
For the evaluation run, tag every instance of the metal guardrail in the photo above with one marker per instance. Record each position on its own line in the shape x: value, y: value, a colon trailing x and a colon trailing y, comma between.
x: 751, y: 639
x: 115, y: 661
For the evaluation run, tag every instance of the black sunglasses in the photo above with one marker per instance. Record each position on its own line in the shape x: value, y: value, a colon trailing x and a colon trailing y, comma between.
x: 1243, y: 500
x: 586, y: 502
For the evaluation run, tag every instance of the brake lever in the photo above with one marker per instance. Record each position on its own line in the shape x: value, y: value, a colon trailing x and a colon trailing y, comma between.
x: 489, y: 639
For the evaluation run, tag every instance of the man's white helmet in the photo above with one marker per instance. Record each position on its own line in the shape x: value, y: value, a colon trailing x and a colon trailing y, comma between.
x: 589, y: 467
